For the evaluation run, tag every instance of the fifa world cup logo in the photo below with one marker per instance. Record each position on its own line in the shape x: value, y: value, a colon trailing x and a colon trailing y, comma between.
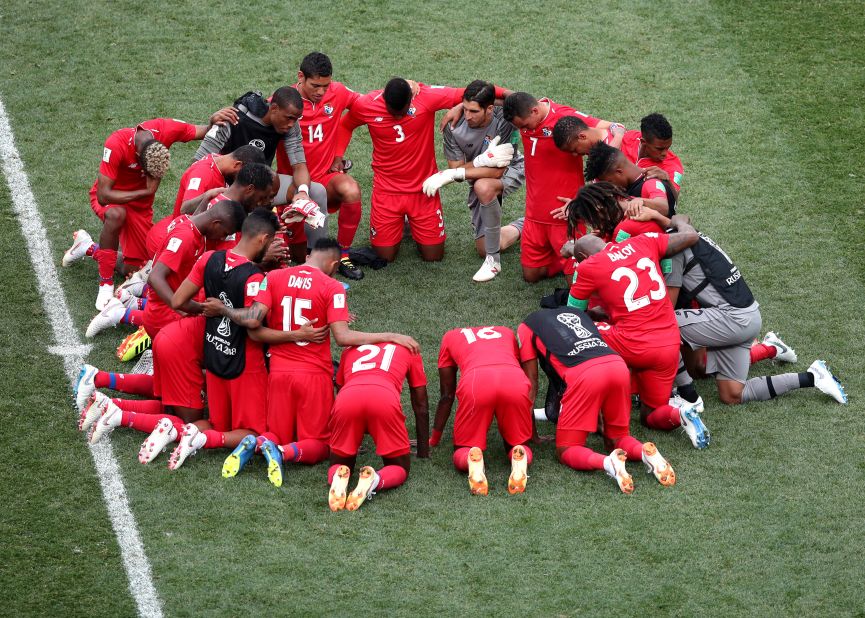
x: 224, y: 328
x: 572, y: 321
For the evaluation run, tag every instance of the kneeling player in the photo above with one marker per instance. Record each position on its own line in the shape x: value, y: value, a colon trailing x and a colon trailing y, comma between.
x: 370, y: 378
x: 492, y: 384
x: 570, y: 348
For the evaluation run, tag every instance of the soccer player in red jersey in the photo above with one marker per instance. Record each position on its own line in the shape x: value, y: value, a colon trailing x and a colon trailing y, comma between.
x: 369, y: 380
x: 649, y: 148
x: 133, y: 163
x: 491, y: 384
x: 550, y: 173
x: 627, y: 278
x: 607, y: 164
x: 570, y: 349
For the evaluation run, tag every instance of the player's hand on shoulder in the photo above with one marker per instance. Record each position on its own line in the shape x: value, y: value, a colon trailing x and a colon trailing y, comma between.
x: 308, y: 332
x: 496, y: 154
x: 415, y: 87
x: 655, y: 172
x: 452, y: 117
x: 212, y: 308
x: 226, y: 115
x: 407, y: 342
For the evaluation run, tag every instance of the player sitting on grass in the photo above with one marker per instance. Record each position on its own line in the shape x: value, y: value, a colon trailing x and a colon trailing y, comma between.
x: 569, y: 348
x: 491, y: 384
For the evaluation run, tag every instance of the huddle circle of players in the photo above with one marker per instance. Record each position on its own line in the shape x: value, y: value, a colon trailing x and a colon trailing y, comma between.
x: 652, y: 303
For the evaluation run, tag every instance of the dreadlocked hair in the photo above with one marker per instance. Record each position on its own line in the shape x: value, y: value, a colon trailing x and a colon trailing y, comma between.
x: 598, y: 205
x: 155, y: 159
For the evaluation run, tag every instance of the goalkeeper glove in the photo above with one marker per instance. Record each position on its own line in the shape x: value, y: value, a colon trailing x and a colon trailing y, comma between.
x: 496, y: 155
x: 301, y: 209
x: 440, y: 179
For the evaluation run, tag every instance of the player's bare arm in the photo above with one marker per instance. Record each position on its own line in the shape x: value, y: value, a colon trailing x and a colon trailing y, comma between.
x: 305, y: 332
x: 199, y: 203
x: 226, y: 115
x: 345, y: 337
x: 420, y: 405
x: 179, y: 300
x: 447, y: 392
x: 642, y: 212
x: 681, y: 240
x: 249, y: 317
x: 106, y: 194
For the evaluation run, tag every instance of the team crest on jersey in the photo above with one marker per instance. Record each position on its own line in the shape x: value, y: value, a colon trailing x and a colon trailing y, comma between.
x: 411, y: 111
x: 257, y: 143
x: 547, y: 132
x: 328, y: 109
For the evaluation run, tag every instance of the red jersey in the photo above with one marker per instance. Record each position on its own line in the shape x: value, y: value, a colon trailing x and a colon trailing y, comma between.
x: 120, y: 159
x: 295, y: 296
x: 403, y: 149
x: 183, y: 245
x: 469, y: 348
x: 671, y: 163
x: 230, y: 241
x: 199, y: 178
x: 550, y: 173
x: 628, y: 227
x: 254, y: 350
x: 382, y: 364
x: 319, y: 127
x: 627, y: 277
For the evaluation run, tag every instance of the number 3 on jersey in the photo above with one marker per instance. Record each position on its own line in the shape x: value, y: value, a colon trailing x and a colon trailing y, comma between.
x: 623, y: 272
x: 315, y: 133
x: 370, y: 353
x: 296, y: 318
x: 400, y: 136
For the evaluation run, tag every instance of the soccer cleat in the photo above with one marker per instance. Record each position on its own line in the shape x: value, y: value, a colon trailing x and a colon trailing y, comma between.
x: 81, y: 242
x: 677, y: 401
x: 129, y: 301
x: 365, y: 489
x: 336, y: 497
x: 785, y: 353
x: 190, y: 441
x: 488, y: 270
x: 826, y: 382
x: 106, y: 293
x: 657, y: 465
x: 162, y: 435
x: 144, y: 366
x: 614, y: 466
x: 110, y: 419
x: 349, y: 269
x: 478, y: 484
x: 239, y: 457
x: 519, y: 463
x: 694, y: 426
x: 109, y: 317
x: 84, y: 387
x: 92, y: 410
x: 133, y: 345
x: 133, y: 287
x: 273, y: 456
x: 347, y: 165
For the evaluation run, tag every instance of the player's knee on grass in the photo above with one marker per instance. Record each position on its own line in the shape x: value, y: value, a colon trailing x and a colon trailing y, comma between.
x: 730, y: 392
x: 387, y: 253
x: 403, y: 461
x: 432, y: 253
x: 533, y: 275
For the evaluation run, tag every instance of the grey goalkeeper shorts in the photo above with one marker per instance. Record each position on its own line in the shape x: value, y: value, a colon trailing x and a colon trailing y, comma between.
x: 513, y: 178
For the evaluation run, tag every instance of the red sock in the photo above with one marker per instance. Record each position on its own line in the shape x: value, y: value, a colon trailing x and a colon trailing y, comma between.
x: 632, y: 446
x: 132, y: 383
x: 107, y: 261
x: 307, y: 451
x: 147, y: 422
x: 349, y: 219
x: 461, y: 459
x: 133, y: 316
x: 390, y: 477
x: 331, y: 472
x: 582, y: 458
x: 214, y: 439
x: 143, y: 406
x: 93, y: 248
x: 761, y: 351
x: 529, y: 454
x: 664, y: 418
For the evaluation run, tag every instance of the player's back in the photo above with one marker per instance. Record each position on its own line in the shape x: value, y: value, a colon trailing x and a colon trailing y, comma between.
x: 382, y: 364
x: 200, y: 177
x: 471, y: 348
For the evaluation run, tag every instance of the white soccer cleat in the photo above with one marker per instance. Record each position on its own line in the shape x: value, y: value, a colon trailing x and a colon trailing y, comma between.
x: 826, y: 382
x: 191, y: 440
x: 81, y: 242
x: 614, y: 466
x: 519, y: 470
x: 92, y: 411
x: 677, y: 401
x: 162, y: 435
x: 488, y: 270
x: 85, y: 386
x: 657, y: 465
x: 478, y: 484
x: 109, y: 317
x: 365, y: 490
x: 785, y: 353
x: 336, y: 496
x: 694, y: 426
x: 108, y: 422
x: 126, y: 297
x: 106, y: 293
x: 144, y: 364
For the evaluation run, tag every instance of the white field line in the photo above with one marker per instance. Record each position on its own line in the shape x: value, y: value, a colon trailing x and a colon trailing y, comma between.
x: 73, y: 352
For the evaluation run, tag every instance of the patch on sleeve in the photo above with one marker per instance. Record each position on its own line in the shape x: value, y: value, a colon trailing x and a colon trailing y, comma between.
x: 106, y: 155
x: 252, y: 288
x: 174, y: 244
x: 677, y: 177
x: 194, y: 183
x: 339, y: 301
x: 660, y: 186
x: 263, y: 285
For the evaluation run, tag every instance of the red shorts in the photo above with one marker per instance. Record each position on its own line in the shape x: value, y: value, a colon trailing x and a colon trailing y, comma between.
x: 654, y: 369
x: 157, y: 235
x: 499, y: 391
x: 295, y: 233
x: 541, y: 243
x: 240, y: 403
x: 387, y: 218
x: 601, y: 384
x: 133, y: 234
x: 324, y: 179
x: 372, y: 409
x: 178, y: 356
x: 299, y: 404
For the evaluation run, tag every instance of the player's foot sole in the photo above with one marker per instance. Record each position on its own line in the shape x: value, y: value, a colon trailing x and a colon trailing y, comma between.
x: 364, y: 488
x: 478, y: 484
x: 616, y: 469
x: 273, y: 456
x: 519, y: 465
x: 162, y: 435
x: 336, y: 496
x: 657, y: 465
x: 238, y: 458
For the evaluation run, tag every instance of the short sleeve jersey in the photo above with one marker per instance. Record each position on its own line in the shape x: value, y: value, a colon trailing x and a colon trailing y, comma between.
x: 671, y: 163
x: 550, y: 172
x: 627, y: 277
x: 403, y: 149
x: 470, y: 348
x: 462, y: 143
x: 295, y: 296
x: 199, y: 178
x: 381, y: 364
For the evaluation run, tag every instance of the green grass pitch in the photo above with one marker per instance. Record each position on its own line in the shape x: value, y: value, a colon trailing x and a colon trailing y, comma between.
x: 766, y: 104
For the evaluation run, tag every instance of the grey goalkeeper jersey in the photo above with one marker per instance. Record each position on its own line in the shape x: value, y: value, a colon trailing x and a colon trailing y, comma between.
x: 462, y: 143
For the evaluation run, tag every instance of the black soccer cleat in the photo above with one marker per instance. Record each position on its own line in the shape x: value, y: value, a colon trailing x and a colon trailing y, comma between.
x: 348, y: 269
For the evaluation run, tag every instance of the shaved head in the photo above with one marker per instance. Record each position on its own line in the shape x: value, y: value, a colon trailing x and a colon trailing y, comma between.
x: 587, y: 246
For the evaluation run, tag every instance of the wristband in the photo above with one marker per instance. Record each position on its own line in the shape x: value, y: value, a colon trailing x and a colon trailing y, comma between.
x: 435, y: 438
x: 302, y: 189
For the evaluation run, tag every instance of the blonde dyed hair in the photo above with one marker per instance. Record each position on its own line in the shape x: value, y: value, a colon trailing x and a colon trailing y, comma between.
x: 155, y: 159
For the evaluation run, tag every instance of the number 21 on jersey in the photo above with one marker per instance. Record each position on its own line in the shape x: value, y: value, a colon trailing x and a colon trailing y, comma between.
x: 370, y: 357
